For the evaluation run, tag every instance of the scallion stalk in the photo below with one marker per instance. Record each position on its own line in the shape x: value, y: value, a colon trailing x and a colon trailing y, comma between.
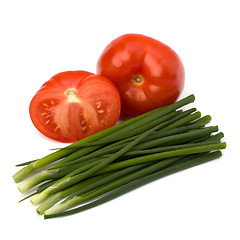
x: 120, y: 159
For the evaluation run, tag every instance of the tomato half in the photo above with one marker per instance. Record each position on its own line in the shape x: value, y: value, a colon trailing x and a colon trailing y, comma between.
x: 75, y: 104
x: 147, y: 73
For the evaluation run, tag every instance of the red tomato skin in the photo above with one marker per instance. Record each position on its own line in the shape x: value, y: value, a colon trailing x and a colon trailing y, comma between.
x: 132, y: 55
x: 50, y: 110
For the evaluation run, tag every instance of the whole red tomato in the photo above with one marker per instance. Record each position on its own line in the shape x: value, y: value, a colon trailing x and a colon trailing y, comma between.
x: 147, y: 73
x: 75, y: 104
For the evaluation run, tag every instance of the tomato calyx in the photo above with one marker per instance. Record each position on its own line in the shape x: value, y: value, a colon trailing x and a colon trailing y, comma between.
x: 138, y: 80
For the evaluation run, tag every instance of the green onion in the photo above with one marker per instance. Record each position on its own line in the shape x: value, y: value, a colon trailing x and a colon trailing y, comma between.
x: 108, y: 164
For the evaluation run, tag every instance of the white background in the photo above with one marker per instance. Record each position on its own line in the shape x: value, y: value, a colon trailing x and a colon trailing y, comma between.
x: 41, y: 38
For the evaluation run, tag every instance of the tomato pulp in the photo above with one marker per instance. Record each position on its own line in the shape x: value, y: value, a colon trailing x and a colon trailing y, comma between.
x: 75, y: 104
x: 147, y: 73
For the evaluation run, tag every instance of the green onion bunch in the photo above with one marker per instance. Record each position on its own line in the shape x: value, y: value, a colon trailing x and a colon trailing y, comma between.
x: 120, y: 159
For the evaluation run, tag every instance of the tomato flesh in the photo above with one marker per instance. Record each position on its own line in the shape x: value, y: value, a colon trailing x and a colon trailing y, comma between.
x: 147, y: 73
x: 75, y: 104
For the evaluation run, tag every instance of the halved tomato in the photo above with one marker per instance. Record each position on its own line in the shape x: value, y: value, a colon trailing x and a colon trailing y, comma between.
x: 75, y: 104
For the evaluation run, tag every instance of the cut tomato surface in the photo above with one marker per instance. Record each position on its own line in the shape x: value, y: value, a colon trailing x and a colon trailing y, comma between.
x: 75, y: 104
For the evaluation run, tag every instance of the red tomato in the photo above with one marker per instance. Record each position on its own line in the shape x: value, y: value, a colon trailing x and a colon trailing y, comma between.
x: 147, y: 73
x: 75, y: 104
